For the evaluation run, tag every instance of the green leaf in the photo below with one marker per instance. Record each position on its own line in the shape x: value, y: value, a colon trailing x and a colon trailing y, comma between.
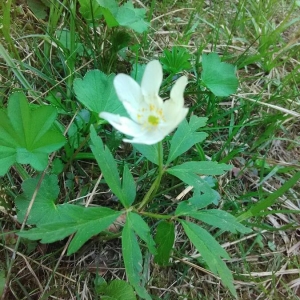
x: 220, y: 219
x: 186, y: 136
x: 125, y: 15
x: 89, y: 222
x: 119, y: 40
x: 38, y: 7
x: 119, y: 290
x: 44, y: 202
x: 96, y: 92
x: 149, y: 151
x: 90, y: 10
x: 200, y: 167
x: 64, y: 37
x: 55, y: 222
x: 109, y: 9
x: 128, y: 187
x: 270, y: 200
x: 142, y: 229
x: 211, y: 252
x: 100, y: 284
x: 133, y: 260
x: 198, y: 201
x: 110, y: 172
x: 106, y: 163
x: 177, y: 60
x: 138, y: 72
x: 164, y: 238
x: 27, y: 135
x: 218, y: 76
x: 131, y: 17
x: 203, y: 192
x: 84, y: 221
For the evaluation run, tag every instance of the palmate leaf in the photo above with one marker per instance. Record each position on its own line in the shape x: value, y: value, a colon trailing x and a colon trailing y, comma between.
x: 218, y: 76
x: 27, y: 134
x: 55, y: 222
x: 124, y: 15
x: 97, y: 93
x: 211, y: 252
x: 177, y: 60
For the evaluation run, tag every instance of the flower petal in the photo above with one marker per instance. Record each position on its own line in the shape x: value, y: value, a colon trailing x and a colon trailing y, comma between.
x: 177, y: 90
x: 123, y: 124
x: 152, y: 79
x: 148, y: 138
x: 173, y: 114
x: 128, y: 90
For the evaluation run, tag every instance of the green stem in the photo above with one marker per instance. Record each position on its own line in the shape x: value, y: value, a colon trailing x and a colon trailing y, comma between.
x: 156, y: 216
x: 22, y: 172
x: 155, y: 185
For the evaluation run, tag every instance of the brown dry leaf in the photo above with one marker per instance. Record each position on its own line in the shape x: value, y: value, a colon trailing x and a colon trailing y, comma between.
x: 115, y: 226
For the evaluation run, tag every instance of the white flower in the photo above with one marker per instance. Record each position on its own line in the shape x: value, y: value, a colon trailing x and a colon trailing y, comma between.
x: 151, y: 117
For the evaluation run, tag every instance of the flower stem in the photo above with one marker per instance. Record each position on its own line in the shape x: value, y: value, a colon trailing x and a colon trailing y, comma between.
x: 155, y: 185
x: 156, y: 216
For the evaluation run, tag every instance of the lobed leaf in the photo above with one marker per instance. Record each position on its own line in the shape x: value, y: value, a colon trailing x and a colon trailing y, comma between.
x: 97, y: 93
x: 218, y: 76
x: 211, y: 252
x: 85, y: 222
x: 186, y: 137
x: 44, y: 202
x: 126, y: 191
x: 119, y: 290
x: 149, y: 151
x: 198, y: 201
x: 200, y: 167
x: 142, y: 229
x: 128, y: 187
x: 27, y: 134
x: 220, y: 219
x: 124, y: 15
x: 133, y: 260
x: 55, y: 222
x: 90, y: 10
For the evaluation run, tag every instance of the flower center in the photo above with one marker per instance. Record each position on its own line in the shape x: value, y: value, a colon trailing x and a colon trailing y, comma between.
x: 153, y: 120
x: 150, y: 117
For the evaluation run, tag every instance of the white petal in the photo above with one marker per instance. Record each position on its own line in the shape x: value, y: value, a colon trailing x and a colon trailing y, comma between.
x: 177, y: 90
x: 152, y: 79
x: 128, y: 90
x: 123, y: 124
x: 173, y: 114
x: 149, y: 138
